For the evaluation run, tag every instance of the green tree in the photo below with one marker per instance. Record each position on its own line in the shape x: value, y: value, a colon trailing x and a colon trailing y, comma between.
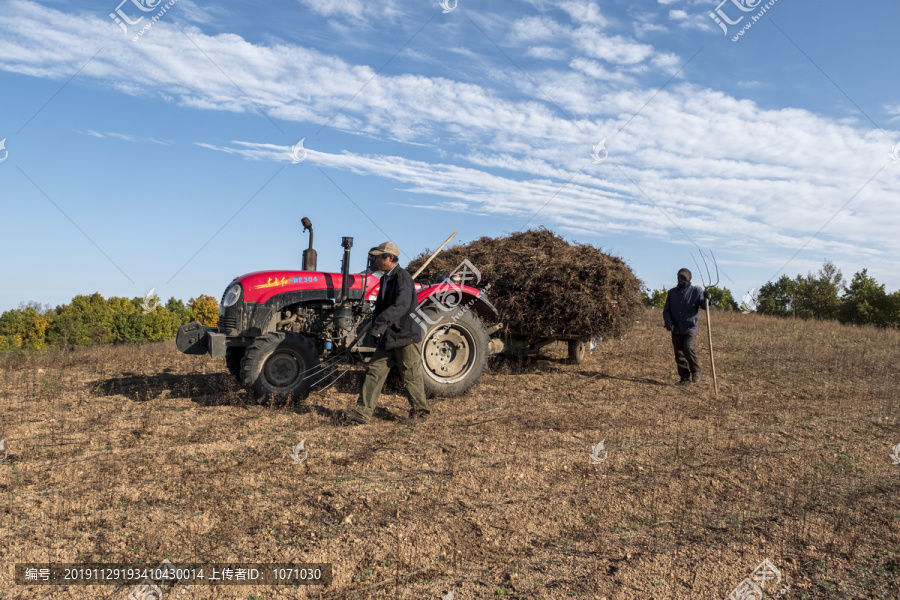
x: 92, y: 319
x: 84, y: 321
x: 778, y: 298
x: 818, y: 296
x: 205, y: 310
x: 866, y: 303
x: 24, y: 327
x: 721, y: 299
x: 653, y: 298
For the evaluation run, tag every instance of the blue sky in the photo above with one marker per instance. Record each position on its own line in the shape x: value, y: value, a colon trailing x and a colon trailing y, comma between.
x: 165, y: 161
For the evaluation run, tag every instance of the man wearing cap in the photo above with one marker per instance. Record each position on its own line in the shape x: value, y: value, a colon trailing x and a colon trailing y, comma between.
x: 398, y: 340
x: 680, y: 315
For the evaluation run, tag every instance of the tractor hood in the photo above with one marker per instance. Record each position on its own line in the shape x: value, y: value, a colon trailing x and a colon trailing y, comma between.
x: 260, y: 286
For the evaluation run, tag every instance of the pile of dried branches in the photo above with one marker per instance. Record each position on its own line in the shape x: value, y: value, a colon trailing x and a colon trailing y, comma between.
x: 545, y: 286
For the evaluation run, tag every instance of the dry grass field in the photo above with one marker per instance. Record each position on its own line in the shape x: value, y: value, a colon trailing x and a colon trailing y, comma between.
x: 137, y: 454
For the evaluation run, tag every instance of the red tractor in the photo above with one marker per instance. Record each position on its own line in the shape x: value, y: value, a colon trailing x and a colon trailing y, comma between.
x: 278, y: 330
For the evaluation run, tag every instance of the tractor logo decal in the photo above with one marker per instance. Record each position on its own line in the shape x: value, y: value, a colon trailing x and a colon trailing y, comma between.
x: 276, y: 283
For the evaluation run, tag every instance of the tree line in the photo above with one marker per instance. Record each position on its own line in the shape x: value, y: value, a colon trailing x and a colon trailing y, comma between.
x: 823, y: 295
x: 93, y: 319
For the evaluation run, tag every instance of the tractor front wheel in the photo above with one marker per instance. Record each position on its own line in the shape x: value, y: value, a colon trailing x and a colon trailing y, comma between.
x: 455, y: 352
x: 281, y: 364
x: 233, y: 358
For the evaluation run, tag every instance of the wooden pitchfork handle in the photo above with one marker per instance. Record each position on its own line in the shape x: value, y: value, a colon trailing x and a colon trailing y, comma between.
x: 712, y: 359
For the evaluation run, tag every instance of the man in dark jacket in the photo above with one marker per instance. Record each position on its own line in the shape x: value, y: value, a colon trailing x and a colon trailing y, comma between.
x: 398, y: 340
x: 681, y: 314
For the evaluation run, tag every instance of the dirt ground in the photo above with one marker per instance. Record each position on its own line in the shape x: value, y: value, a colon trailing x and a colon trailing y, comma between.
x: 135, y: 454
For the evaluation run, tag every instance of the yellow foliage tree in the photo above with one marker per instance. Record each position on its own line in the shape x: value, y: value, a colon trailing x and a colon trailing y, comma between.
x: 205, y: 310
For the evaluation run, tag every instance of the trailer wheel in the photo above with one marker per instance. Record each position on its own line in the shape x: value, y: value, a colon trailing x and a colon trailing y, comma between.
x: 233, y: 357
x: 454, y: 352
x: 281, y: 364
x: 577, y: 351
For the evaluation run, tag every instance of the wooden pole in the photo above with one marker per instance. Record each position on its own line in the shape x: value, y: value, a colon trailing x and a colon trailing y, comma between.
x: 712, y: 359
x: 430, y: 258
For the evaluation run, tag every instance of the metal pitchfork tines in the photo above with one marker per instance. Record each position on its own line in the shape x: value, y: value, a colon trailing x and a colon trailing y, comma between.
x: 706, y: 264
x: 712, y: 360
x: 333, y: 365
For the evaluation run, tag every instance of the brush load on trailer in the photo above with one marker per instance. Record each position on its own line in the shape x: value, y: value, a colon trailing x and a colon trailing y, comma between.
x: 278, y: 329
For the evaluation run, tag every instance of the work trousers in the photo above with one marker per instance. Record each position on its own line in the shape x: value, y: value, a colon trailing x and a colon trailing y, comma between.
x: 408, y: 360
x: 685, y: 345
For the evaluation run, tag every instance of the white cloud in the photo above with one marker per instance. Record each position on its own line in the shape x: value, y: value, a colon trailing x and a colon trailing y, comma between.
x: 546, y: 52
x: 611, y: 48
x: 667, y: 62
x: 753, y: 182
x: 584, y: 12
x: 643, y: 25
x: 678, y: 15
x: 355, y: 10
x: 125, y: 137
x: 530, y: 29
x: 595, y: 70
x: 893, y: 112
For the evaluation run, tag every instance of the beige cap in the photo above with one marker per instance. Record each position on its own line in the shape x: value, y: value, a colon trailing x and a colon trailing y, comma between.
x: 386, y: 248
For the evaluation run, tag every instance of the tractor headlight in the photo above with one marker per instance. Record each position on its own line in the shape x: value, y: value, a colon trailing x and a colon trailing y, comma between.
x: 231, y: 295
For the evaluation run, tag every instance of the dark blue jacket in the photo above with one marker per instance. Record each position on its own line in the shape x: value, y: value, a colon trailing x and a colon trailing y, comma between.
x: 391, y: 319
x: 682, y: 308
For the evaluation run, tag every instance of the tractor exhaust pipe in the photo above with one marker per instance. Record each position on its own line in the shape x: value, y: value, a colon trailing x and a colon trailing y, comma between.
x: 343, y: 314
x: 346, y: 244
x: 309, y: 255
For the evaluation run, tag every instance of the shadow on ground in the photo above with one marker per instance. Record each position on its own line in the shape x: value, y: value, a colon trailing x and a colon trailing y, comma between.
x: 645, y: 380
x: 205, y: 389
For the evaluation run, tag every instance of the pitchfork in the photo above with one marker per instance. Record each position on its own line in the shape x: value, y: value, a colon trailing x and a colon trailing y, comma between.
x: 708, y: 323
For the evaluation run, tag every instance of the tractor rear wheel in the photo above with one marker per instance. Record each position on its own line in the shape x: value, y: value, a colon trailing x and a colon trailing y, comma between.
x: 454, y: 353
x: 281, y: 364
x: 577, y: 351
